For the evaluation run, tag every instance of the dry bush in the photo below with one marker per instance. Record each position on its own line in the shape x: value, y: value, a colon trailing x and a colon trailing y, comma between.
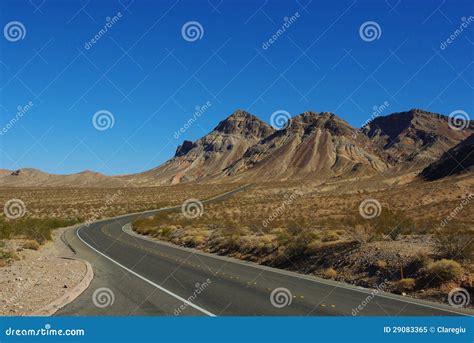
x: 32, y: 228
x: 381, y: 264
x: 329, y: 236
x: 407, y: 284
x: 31, y: 244
x: 455, y: 244
x: 391, y: 223
x: 330, y: 273
x: 445, y: 270
x: 313, y: 247
x: 297, y: 241
x: 7, y: 257
x: 96, y: 203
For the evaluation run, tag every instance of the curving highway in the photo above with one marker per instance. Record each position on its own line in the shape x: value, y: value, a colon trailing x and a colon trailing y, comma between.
x: 134, y: 275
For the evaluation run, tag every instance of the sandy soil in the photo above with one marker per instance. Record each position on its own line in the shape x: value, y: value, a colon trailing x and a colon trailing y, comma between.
x: 38, y: 278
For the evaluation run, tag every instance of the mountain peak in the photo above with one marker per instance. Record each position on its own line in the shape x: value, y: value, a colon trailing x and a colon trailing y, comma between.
x: 184, y: 148
x: 321, y: 120
x: 243, y: 123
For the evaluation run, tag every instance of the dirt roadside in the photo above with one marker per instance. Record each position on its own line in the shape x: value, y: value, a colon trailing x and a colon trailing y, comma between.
x: 41, y: 281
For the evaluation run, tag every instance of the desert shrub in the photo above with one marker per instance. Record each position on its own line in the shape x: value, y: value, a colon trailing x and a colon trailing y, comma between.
x: 330, y: 273
x: 31, y: 244
x: 407, y: 284
x: 6, y: 257
x: 455, y: 244
x: 360, y: 232
x: 418, y: 262
x: 393, y: 223
x: 282, y: 236
x: 265, y: 242
x: 329, y: 236
x: 232, y: 235
x: 381, y: 264
x: 166, y: 231
x: 36, y: 229
x: 445, y: 270
x: 313, y: 247
x: 298, y: 241
x: 390, y: 223
x: 426, y: 225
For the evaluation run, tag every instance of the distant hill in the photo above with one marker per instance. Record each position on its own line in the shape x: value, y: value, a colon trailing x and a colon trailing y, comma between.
x: 29, y: 177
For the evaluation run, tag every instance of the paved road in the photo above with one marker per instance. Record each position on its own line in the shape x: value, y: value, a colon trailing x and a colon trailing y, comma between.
x: 152, y: 278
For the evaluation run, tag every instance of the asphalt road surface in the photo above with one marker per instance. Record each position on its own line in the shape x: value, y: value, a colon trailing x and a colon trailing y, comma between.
x: 139, y: 276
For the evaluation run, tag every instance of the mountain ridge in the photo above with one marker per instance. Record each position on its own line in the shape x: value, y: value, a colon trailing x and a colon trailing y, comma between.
x: 318, y: 145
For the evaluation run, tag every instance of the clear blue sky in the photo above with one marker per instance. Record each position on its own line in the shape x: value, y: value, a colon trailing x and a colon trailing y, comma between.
x: 151, y: 79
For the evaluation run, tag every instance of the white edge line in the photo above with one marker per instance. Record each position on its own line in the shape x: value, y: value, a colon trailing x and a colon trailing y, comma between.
x: 145, y: 279
x: 292, y: 274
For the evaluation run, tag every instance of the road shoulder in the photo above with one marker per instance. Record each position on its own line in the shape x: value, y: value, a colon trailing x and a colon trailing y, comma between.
x: 42, y: 281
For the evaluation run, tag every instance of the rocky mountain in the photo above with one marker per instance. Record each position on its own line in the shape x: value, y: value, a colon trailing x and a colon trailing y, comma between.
x: 457, y: 160
x: 207, y: 157
x: 416, y: 136
x: 313, y: 146
x: 317, y: 145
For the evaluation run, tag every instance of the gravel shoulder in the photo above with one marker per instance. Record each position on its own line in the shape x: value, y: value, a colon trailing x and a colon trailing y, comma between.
x: 38, y: 277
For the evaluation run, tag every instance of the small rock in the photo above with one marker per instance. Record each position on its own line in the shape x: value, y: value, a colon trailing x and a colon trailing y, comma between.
x: 404, y: 294
x: 65, y: 286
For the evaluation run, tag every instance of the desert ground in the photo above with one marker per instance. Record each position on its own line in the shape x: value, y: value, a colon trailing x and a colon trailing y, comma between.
x: 405, y: 235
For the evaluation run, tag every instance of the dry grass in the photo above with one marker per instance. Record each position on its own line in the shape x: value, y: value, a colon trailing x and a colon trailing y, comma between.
x: 94, y: 203
x: 317, y: 228
x: 51, y: 208
x: 407, y: 284
x: 38, y: 230
x: 330, y: 273
x: 30, y: 244
x: 303, y: 225
x: 445, y: 270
